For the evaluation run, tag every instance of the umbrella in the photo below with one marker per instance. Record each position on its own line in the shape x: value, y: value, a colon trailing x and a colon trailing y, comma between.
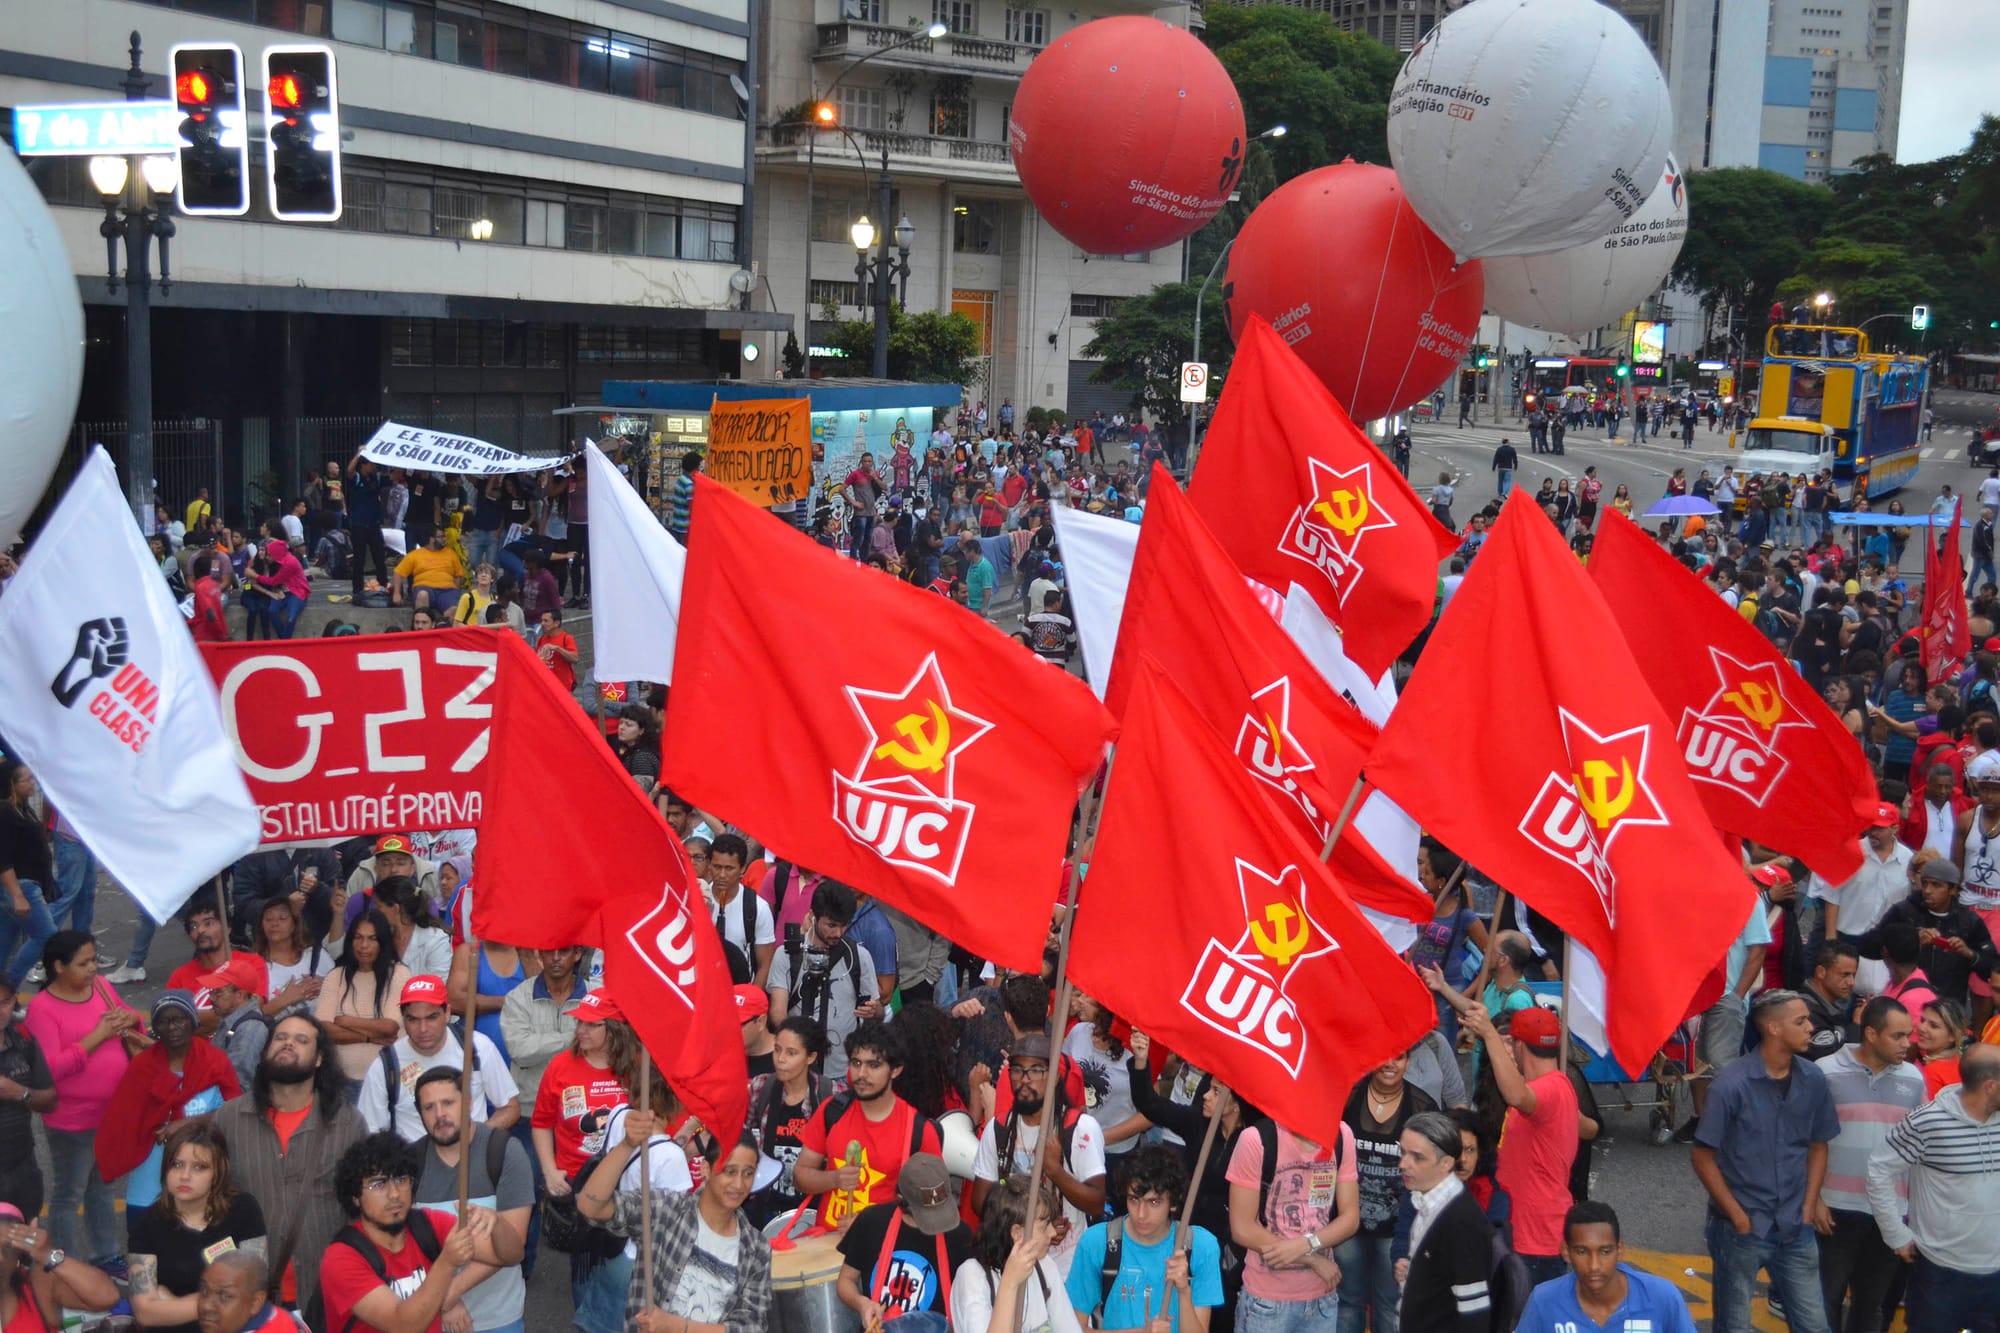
x: 1680, y: 506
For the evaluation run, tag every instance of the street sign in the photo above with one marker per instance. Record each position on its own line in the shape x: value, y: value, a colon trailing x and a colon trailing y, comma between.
x: 90, y: 129
x: 1194, y: 381
x: 1920, y: 317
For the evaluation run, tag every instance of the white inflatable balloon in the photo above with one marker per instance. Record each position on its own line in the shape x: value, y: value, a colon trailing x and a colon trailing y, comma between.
x: 41, y: 346
x: 1589, y: 286
x: 1519, y: 127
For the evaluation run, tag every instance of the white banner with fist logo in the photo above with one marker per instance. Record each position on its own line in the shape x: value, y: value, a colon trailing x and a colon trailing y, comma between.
x: 104, y: 697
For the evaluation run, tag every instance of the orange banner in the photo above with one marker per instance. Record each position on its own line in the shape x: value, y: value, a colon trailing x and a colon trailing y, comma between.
x: 761, y: 449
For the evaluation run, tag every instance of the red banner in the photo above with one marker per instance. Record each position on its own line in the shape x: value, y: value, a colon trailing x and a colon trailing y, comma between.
x: 380, y: 733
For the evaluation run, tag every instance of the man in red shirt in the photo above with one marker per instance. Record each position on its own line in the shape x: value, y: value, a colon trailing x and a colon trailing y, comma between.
x: 209, y: 624
x: 419, y: 1251
x: 1538, y: 1141
x: 212, y: 953
x: 557, y: 647
x: 854, y: 1147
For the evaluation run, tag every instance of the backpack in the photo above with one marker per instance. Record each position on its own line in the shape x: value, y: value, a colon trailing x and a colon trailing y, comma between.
x: 421, y: 1231
x: 764, y: 1092
x: 832, y: 1109
x: 392, y: 1076
x: 746, y: 901
x: 1267, y: 1133
x: 1003, y: 1138
x: 1508, y: 1286
x: 795, y: 960
x: 1114, y: 1253
x: 568, y: 1230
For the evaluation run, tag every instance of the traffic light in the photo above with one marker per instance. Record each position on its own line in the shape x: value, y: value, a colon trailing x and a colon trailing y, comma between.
x: 213, y: 146
x: 1623, y: 370
x: 302, y: 133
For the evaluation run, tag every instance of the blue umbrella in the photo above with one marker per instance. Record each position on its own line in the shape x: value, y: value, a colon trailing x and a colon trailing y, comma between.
x: 1680, y: 506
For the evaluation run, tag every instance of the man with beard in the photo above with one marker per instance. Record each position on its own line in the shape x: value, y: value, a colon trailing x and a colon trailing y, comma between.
x: 395, y: 1267
x: 855, y: 1145
x: 1008, y: 1143
x: 284, y: 1137
x: 210, y: 938
x: 498, y: 1177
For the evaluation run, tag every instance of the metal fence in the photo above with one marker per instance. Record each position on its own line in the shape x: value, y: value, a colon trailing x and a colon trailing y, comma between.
x: 187, y: 455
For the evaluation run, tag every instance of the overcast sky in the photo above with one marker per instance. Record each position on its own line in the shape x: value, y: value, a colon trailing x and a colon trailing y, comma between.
x: 1951, y: 74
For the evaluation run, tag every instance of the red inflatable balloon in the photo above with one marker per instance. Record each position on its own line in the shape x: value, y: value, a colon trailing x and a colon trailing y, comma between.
x: 1127, y: 134
x: 1361, y: 289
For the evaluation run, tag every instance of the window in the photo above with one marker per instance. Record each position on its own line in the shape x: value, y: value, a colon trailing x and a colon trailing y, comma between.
x: 628, y: 230
x: 358, y: 21
x: 361, y: 202
x: 545, y: 223
x: 827, y: 291
x: 975, y: 226
x: 1093, y: 307
x: 1030, y: 27
x: 951, y: 115
x: 862, y: 11
x: 505, y: 214
x: 406, y: 209
x: 960, y: 16
x: 662, y: 236
x: 456, y: 38
x: 834, y: 210
x: 860, y: 108
x: 457, y: 209
x: 587, y: 227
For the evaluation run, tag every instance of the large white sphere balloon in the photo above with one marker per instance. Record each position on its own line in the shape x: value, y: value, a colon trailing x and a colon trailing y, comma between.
x: 1590, y: 285
x: 41, y: 346
x: 1519, y: 127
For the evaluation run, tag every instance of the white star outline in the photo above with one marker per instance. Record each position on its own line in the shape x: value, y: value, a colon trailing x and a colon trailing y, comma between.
x: 979, y: 726
x: 1730, y: 672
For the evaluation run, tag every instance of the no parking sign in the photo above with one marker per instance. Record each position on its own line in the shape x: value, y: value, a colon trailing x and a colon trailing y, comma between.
x: 1194, y: 381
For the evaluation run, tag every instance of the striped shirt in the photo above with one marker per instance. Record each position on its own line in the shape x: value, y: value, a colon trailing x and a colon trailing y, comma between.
x: 1953, y: 1165
x: 1869, y: 1105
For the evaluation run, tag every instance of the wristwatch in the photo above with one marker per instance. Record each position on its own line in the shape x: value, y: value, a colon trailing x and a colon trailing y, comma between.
x: 54, y: 1261
x: 1313, y: 1245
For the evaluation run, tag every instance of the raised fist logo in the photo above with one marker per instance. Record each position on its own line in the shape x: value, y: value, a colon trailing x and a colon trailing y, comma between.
x: 102, y: 646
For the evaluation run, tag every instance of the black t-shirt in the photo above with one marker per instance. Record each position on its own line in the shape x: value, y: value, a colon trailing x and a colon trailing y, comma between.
x: 21, y: 1060
x: 24, y: 847
x: 180, y: 1254
x: 486, y: 510
x: 761, y: 1064
x: 1378, y: 1154
x: 910, y: 1279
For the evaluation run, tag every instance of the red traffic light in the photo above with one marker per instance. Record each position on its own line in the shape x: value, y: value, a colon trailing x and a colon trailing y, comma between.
x: 193, y: 86
x: 287, y: 91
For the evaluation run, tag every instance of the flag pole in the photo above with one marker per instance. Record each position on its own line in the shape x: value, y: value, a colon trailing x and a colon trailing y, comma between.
x: 1492, y: 949
x: 221, y: 902
x: 1093, y: 805
x: 1194, y: 1180
x: 467, y: 1064
x: 1340, y: 824
x: 1568, y: 986
x: 646, y: 1177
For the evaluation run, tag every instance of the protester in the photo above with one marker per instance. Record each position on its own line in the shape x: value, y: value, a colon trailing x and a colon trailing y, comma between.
x: 199, y: 1212
x: 39, y: 1280
x: 1010, y: 1281
x: 1292, y: 1204
x: 235, y: 992
x: 1601, y: 1290
x: 826, y: 976
x: 886, y: 1274
x: 536, y: 1019
x: 887, y: 1130
x: 432, y: 1040
x: 499, y: 1178
x: 27, y: 873
x: 1137, y: 1270
x: 357, y: 1004
x: 179, y: 1075
x: 580, y: 1086
x: 1539, y: 1142
x: 1376, y: 1114
x: 1008, y: 1143
x: 27, y: 1089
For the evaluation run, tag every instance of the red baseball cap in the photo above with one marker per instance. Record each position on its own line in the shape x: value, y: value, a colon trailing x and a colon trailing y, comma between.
x: 751, y: 1003
x: 1886, y: 816
x: 596, y: 1007
x: 425, y: 990
x: 1537, y: 1028
x: 1991, y: 645
x: 394, y: 842
x: 1771, y: 875
x: 239, y: 972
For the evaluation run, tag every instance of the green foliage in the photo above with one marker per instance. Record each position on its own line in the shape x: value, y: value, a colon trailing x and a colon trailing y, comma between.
x: 1039, y: 419
x: 1748, y: 231
x: 1143, y: 344
x: 929, y: 347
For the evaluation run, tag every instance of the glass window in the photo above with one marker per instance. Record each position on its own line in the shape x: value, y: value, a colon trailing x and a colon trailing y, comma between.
x: 961, y: 16
x: 551, y: 56
x: 457, y: 209
x: 1028, y: 26
x: 629, y: 66
x: 545, y: 223
x: 862, y: 11
x: 587, y: 227
x: 951, y: 115
x: 406, y: 209
x: 722, y: 240
x: 694, y: 238
x: 834, y: 211
x: 662, y: 235
x: 593, y: 59
x: 505, y: 212
x: 406, y: 28
x: 361, y: 202
x: 458, y: 39
x: 670, y: 82
x: 358, y: 21
x: 860, y: 108
x: 975, y: 227
x: 628, y: 231
x: 510, y: 47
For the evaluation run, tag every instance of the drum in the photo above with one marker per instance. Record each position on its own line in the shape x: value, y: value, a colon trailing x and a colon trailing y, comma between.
x: 803, y: 1299
x: 961, y: 1142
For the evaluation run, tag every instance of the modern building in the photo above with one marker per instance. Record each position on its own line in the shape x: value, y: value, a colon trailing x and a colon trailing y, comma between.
x: 939, y: 111
x: 1833, y: 84
x: 539, y: 196
x: 1712, y: 52
x: 1398, y: 23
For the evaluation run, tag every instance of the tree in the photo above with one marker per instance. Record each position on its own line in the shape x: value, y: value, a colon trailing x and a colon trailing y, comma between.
x: 929, y: 347
x: 1748, y: 230
x: 1141, y: 346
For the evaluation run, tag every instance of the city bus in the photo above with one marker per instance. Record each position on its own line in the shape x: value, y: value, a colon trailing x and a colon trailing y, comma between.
x: 1722, y: 381
x: 1826, y: 399
x: 1551, y: 378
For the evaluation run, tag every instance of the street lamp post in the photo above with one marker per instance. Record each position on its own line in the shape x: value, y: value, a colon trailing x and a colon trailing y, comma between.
x: 824, y: 117
x: 134, y: 211
x: 1194, y: 409
x: 879, y: 277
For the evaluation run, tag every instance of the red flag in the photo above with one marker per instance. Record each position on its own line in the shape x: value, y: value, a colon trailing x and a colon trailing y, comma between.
x: 1769, y: 759
x: 1576, y: 798
x: 1297, y: 494
x: 1945, y: 636
x: 620, y: 882
x: 1258, y: 967
x: 875, y: 731
x: 1189, y: 609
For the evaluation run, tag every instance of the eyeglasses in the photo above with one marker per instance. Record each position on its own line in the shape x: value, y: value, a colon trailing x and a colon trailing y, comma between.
x: 1028, y: 1071
x: 381, y: 1184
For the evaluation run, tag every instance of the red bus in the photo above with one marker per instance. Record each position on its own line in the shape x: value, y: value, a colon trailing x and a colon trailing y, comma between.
x: 1554, y: 379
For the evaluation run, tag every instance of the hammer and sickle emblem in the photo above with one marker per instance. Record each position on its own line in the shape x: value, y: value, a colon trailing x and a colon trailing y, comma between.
x: 1271, y: 730
x: 929, y: 739
x: 1601, y: 803
x: 1760, y: 703
x: 1344, y: 511
x: 1283, y: 944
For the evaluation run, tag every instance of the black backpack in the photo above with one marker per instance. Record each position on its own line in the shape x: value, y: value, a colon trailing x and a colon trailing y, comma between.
x: 565, y: 1228
x: 1267, y: 1132
x: 421, y: 1231
x: 1114, y: 1254
x: 392, y: 1077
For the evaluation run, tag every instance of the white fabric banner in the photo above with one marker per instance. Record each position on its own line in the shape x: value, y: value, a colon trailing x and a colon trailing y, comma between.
x: 1097, y: 557
x: 636, y: 568
x: 106, y: 697
x: 424, y: 450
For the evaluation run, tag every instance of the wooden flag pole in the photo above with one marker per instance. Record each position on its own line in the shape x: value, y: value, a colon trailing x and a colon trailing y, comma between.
x: 1194, y: 1181
x: 1492, y: 950
x: 468, y: 1063
x: 1340, y: 824
x: 646, y: 1177
x: 1449, y: 885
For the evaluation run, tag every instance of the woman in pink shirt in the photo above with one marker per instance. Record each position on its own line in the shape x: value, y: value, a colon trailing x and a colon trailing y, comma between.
x: 283, y: 578
x: 88, y: 1036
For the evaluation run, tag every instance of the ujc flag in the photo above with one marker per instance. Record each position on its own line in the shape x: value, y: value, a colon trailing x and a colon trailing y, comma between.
x: 104, y: 695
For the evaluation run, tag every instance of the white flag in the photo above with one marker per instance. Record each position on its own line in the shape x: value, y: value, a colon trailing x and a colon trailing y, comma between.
x: 636, y: 569
x: 1097, y: 555
x: 105, y: 695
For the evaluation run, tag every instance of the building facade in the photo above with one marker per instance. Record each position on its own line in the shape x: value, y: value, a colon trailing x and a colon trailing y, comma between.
x: 1833, y: 84
x: 939, y: 111
x: 539, y: 196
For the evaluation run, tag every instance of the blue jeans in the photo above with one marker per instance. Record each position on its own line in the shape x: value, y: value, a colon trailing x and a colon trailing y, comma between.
x: 1942, y: 1300
x: 77, y: 1184
x: 76, y: 885
x: 1992, y: 575
x: 481, y: 548
x: 22, y: 937
x: 1506, y: 481
x: 285, y: 615
x: 1255, y: 1314
x: 1792, y: 1259
x: 599, y: 1295
x: 1367, y: 1278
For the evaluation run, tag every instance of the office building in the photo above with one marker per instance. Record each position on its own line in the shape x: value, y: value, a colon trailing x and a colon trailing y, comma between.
x: 1833, y: 84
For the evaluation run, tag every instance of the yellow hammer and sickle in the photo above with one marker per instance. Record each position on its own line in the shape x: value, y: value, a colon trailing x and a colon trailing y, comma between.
x: 1271, y: 730
x: 930, y: 745
x: 1760, y: 703
x: 1282, y: 944
x: 1600, y: 804
x: 1343, y: 511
